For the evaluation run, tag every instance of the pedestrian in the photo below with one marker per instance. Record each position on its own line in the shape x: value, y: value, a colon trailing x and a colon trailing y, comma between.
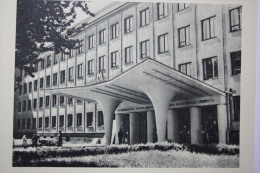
x: 120, y: 136
x: 34, y: 141
x: 59, y: 142
x: 24, y: 139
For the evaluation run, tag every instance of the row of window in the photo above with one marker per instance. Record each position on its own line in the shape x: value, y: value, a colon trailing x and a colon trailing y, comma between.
x: 207, y: 25
x: 79, y: 118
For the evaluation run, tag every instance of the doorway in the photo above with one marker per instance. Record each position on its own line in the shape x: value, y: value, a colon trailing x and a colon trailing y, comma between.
x: 184, y: 126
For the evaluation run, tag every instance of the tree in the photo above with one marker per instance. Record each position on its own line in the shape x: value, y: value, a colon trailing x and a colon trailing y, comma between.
x: 41, y: 23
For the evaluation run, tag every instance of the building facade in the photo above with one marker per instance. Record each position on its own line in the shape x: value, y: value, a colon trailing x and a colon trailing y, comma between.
x: 157, y: 71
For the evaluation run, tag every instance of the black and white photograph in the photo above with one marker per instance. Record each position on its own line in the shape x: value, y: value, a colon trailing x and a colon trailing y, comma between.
x: 127, y: 84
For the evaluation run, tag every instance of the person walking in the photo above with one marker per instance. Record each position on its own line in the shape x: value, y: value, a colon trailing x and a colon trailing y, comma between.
x: 120, y: 136
x: 24, y: 139
x: 34, y: 141
x: 59, y: 142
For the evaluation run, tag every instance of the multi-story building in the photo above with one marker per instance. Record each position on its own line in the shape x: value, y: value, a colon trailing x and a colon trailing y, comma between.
x: 158, y: 71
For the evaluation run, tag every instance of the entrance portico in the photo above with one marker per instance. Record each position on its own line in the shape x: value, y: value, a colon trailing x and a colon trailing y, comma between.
x: 159, y: 86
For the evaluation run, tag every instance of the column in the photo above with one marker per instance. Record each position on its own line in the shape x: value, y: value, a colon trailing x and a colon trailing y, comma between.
x: 134, y: 127
x: 195, y: 122
x: 173, y: 126
x: 119, y: 124
x: 222, y: 123
x: 151, y: 127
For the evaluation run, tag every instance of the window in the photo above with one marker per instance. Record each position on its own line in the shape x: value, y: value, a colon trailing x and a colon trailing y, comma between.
x: 42, y: 64
x: 53, y: 121
x: 70, y: 120
x: 28, y: 123
x: 114, y: 31
x: 236, y: 101
x: 49, y: 61
x: 55, y: 61
x: 89, y: 119
x: 184, y: 36
x: 236, y: 62
x: 36, y: 67
x: 19, y: 124
x: 24, y: 105
x: 129, y: 54
x: 61, y: 100
x: 114, y: 59
x: 70, y: 100
x: 210, y: 68
x: 101, y: 63
x: 47, y: 101
x: 80, y: 71
x: 48, y: 81
x: 182, y: 6
x: 163, y: 43
x: 162, y: 10
x: 185, y: 68
x: 40, y: 122
x: 235, y: 19
x: 80, y: 49
x: 129, y: 24
x: 41, y: 82
x: 54, y: 100
x: 34, y: 103
x: 208, y: 28
x: 71, y: 76
x: 24, y: 88
x: 71, y: 53
x: 102, y: 36
x: 61, y: 120
x: 35, y: 85
x: 79, y: 119
x: 29, y: 106
x: 34, y: 123
x: 55, y: 79
x: 91, y: 42
x: 145, y: 49
x: 23, y: 124
x: 144, y: 19
x: 46, y: 122
x: 100, y: 118
x: 41, y: 102
x: 20, y: 107
x: 63, y: 56
x: 62, y: 76
x: 20, y: 89
x: 30, y: 86
x: 90, y: 66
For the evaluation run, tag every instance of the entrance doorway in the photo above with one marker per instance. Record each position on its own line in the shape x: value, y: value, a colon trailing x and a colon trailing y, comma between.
x: 143, y: 127
x: 184, y: 126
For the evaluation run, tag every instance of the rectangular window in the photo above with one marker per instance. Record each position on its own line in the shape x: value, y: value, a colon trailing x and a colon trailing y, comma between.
x: 63, y: 56
x: 128, y: 24
x: 29, y: 105
x: 102, y: 36
x: 80, y: 70
x: 71, y: 53
x: 79, y: 119
x: 40, y: 122
x: 144, y: 17
x: 20, y: 107
x: 101, y: 66
x: 19, y: 124
x: 236, y: 101
x: 35, y: 85
x: 62, y: 76
x: 34, y: 123
x: 114, y: 56
x: 55, y: 59
x: 100, y: 118
x: 163, y: 43
x: 236, y: 62
x: 184, y: 36
x: 48, y: 61
x: 53, y: 121
x: 24, y: 105
x: 210, y: 68
x: 48, y: 81
x: 208, y: 28
x: 62, y: 100
x: 61, y: 120
x: 41, y: 102
x: 90, y: 66
x: 235, y: 19
x: 54, y: 100
x: 30, y: 86
x: 91, y: 42
x: 114, y: 31
x: 34, y: 103
x: 41, y: 82
x: 80, y: 49
x: 182, y: 6
x: 55, y: 79
x: 47, y: 120
x: 70, y: 120
x: 129, y: 54
x: 71, y: 72
x: 185, y: 68
x: 70, y: 100
x: 23, y: 124
x: 24, y: 88
x: 89, y: 119
x: 36, y: 67
x: 42, y: 64
x: 162, y: 10
x: 145, y: 49
x: 47, y: 101
x: 28, y: 123
x: 20, y: 90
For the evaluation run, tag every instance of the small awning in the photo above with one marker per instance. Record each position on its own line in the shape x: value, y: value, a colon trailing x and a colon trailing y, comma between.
x: 125, y: 86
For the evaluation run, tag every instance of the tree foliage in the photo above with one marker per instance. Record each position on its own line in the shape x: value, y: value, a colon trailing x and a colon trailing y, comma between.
x: 41, y: 23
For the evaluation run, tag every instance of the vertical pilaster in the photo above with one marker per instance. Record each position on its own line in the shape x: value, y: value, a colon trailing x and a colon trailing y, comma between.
x: 195, y: 122
x: 173, y: 126
x: 134, y: 127
x: 222, y: 123
x: 151, y: 126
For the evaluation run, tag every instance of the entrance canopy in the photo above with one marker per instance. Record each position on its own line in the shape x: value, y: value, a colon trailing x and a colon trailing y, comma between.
x: 127, y: 86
